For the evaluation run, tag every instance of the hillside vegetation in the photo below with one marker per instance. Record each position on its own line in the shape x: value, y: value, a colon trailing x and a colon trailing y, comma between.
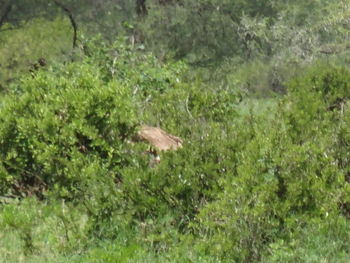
x: 259, y: 92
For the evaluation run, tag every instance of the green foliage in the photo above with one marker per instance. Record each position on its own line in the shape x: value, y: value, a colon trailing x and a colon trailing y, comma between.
x: 256, y: 180
x: 59, y: 129
x: 20, y: 48
x: 65, y: 133
x: 179, y: 185
x: 272, y: 39
x: 288, y: 173
x: 36, y: 231
x: 319, y: 242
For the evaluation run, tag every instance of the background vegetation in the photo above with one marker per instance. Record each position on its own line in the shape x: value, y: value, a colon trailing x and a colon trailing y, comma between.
x: 258, y: 90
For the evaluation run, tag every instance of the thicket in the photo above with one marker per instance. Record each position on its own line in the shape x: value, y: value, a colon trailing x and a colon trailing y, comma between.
x: 244, y: 187
x: 256, y: 180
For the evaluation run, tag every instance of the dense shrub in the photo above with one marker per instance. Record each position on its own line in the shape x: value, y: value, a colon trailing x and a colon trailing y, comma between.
x: 288, y: 174
x: 249, y: 183
x: 58, y: 128
x: 65, y: 133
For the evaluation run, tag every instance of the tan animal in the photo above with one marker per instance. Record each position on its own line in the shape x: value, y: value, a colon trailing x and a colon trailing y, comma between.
x: 159, y: 141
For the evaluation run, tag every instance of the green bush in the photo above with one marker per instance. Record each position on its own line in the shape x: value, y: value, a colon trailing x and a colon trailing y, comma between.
x: 252, y: 180
x: 289, y: 173
x: 60, y: 128
x: 65, y: 134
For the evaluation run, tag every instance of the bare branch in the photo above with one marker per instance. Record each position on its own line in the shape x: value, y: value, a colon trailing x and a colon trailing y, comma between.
x: 72, y: 21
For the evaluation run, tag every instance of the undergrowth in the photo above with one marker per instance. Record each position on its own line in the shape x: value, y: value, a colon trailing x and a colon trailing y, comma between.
x: 256, y: 180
